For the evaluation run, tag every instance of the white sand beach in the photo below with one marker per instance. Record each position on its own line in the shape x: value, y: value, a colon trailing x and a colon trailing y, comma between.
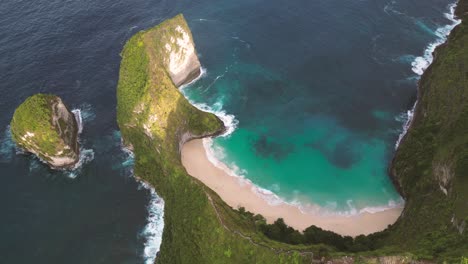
x: 238, y: 193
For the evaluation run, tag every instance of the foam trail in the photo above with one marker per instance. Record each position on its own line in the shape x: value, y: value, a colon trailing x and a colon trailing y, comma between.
x: 230, y: 121
x: 408, y: 118
x: 154, y: 228
x: 421, y: 63
x: 79, y: 120
x: 86, y: 155
x: 202, y: 73
x: 215, y: 153
x: 7, y: 146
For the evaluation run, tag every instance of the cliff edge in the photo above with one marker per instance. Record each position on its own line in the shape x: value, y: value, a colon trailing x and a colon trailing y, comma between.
x: 431, y: 164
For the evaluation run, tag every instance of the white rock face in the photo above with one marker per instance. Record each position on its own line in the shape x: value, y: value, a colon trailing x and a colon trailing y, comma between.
x: 182, y: 62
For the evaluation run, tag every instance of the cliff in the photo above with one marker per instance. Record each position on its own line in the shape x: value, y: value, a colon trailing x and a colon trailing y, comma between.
x: 181, y: 60
x: 431, y: 164
x: 44, y: 126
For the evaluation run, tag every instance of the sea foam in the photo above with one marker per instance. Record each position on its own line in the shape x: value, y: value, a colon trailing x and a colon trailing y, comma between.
x: 230, y: 121
x: 153, y: 230
x: 421, y: 63
x: 86, y: 155
x: 202, y: 73
x: 155, y: 225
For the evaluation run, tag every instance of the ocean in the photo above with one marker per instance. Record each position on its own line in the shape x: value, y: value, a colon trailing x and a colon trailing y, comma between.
x: 316, y: 95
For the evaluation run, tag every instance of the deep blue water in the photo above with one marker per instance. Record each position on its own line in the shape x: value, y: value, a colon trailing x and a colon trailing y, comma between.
x: 284, y: 69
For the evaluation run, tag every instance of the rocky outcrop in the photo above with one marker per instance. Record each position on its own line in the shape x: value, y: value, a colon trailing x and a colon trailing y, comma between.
x: 44, y: 126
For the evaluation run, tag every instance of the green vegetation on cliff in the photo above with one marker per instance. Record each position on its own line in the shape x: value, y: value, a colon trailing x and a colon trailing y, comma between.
x: 42, y: 125
x: 431, y: 164
x: 34, y: 115
x: 155, y: 119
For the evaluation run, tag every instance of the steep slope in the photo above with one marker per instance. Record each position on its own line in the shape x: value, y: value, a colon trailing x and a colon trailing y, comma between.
x: 431, y: 165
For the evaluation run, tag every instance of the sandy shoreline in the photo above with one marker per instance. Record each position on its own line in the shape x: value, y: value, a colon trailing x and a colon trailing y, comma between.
x: 237, y: 194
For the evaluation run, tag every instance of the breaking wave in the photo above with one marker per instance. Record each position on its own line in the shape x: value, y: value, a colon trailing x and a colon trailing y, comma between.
x: 421, y: 63
x: 230, y: 121
x: 153, y: 230
x: 215, y: 154
x: 86, y: 155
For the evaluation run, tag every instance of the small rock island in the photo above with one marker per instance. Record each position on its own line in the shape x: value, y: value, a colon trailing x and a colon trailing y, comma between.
x: 44, y: 126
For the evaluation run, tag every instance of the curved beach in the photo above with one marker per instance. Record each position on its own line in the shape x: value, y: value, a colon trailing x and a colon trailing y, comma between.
x: 241, y: 194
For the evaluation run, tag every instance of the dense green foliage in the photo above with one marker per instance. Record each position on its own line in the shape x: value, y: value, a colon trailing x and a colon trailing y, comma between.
x: 133, y: 77
x: 34, y: 115
x: 315, y: 235
x: 431, y: 164
x: 200, y: 228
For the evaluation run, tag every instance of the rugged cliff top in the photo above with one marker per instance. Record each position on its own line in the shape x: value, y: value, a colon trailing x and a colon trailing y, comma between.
x: 44, y: 126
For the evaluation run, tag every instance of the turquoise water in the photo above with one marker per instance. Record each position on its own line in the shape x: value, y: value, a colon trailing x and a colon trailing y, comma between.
x: 322, y: 162
x: 316, y: 120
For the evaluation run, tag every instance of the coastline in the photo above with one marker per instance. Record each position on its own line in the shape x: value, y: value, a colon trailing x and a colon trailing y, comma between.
x: 241, y: 194
x: 238, y: 193
x: 419, y: 66
x: 422, y: 63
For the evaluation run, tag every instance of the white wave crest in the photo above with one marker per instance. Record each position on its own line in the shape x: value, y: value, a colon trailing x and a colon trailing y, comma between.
x: 230, y: 121
x: 86, y: 155
x: 154, y: 228
x: 79, y: 119
x: 353, y: 211
x: 202, y: 73
x: 215, y: 153
x: 421, y: 63
x: 406, y: 118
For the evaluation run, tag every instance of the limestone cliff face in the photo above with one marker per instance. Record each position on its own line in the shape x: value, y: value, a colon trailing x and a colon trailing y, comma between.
x: 44, y: 126
x: 181, y: 60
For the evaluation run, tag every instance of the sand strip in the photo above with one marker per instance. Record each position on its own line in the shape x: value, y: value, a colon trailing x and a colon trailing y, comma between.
x: 237, y: 193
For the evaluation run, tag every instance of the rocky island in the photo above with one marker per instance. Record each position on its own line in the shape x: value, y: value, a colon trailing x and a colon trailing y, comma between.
x: 156, y: 120
x: 44, y: 126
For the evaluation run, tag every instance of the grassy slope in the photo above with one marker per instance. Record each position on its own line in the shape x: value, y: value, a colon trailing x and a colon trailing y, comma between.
x: 35, y: 115
x: 199, y: 227
x: 435, y: 147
